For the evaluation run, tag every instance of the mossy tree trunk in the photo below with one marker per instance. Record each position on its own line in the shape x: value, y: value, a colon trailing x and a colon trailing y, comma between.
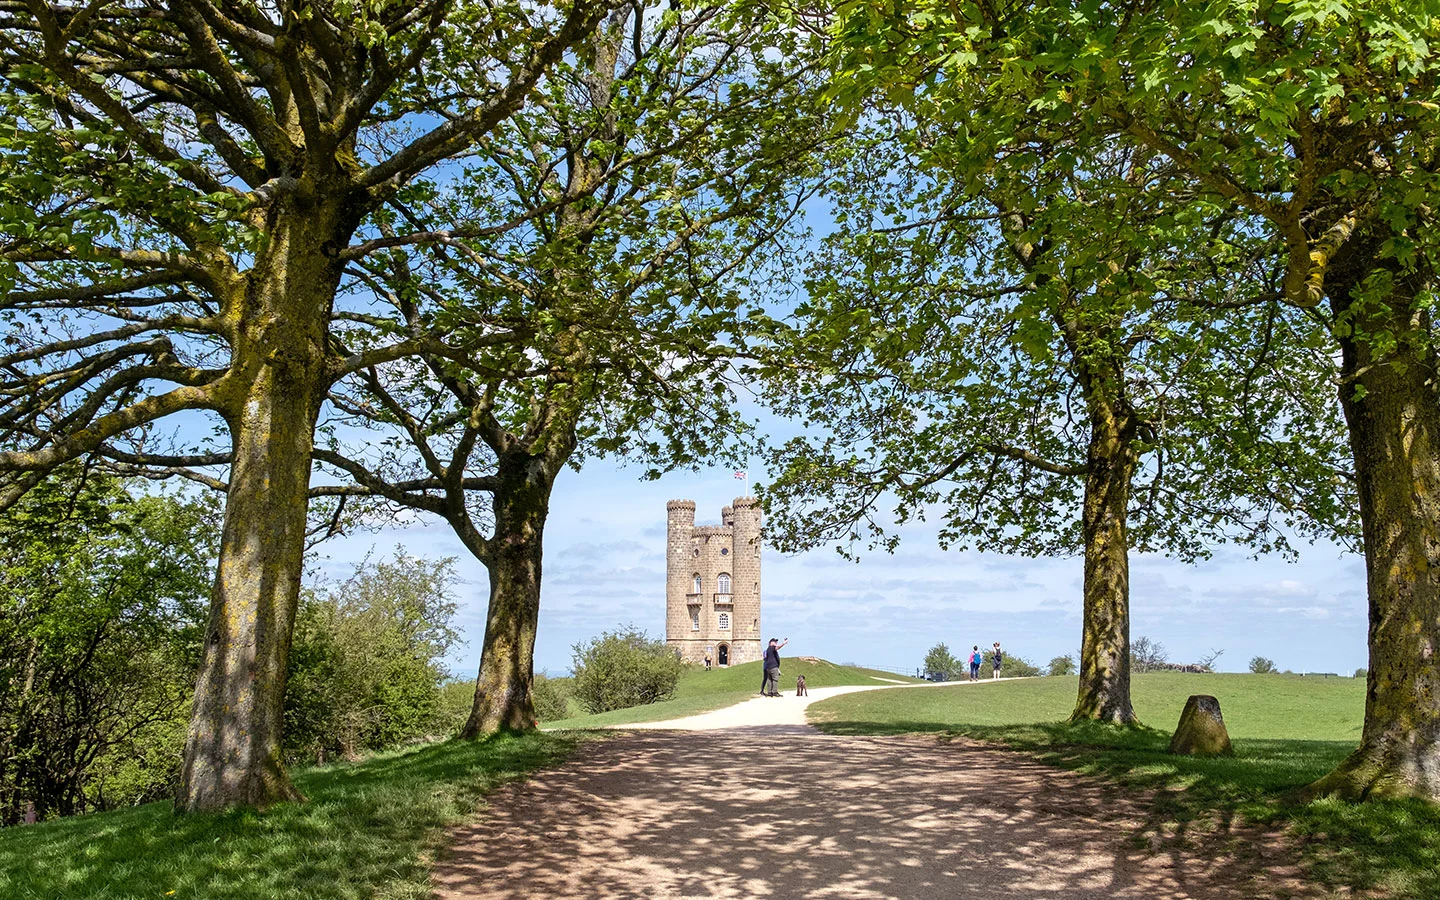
x: 503, y: 700
x: 1389, y: 394
x: 1104, y: 693
x: 271, y: 398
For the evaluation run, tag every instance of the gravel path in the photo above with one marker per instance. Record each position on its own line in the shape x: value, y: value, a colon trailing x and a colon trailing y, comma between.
x: 778, y: 810
x: 768, y: 711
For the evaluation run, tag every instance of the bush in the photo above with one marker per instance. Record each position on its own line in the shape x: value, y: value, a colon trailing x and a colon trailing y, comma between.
x: 102, y: 611
x: 1062, y: 665
x: 1262, y: 666
x: 1018, y: 667
x: 1362, y: 673
x: 366, y: 663
x: 457, y: 698
x: 625, y: 668
x: 552, y: 698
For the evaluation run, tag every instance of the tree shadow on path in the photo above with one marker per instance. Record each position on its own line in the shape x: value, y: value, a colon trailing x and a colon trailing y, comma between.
x: 788, y: 813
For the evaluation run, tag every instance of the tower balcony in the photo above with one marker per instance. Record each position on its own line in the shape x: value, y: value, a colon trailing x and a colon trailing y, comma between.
x: 724, y: 599
x: 694, y: 599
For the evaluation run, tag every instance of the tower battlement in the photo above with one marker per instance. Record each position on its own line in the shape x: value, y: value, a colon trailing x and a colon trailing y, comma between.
x: 712, y: 583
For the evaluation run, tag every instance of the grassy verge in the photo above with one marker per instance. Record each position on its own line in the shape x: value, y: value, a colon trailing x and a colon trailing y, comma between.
x: 1287, y: 732
x: 678, y: 708
x: 369, y: 830
x: 699, y: 691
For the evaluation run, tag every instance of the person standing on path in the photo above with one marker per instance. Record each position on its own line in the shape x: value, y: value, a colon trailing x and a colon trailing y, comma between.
x: 995, y: 659
x: 770, y: 687
x: 975, y: 658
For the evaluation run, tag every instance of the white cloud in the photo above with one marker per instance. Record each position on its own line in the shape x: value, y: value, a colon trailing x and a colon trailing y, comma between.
x: 605, y: 566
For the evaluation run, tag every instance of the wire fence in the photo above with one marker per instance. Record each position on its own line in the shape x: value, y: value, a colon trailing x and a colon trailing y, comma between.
x: 913, y: 671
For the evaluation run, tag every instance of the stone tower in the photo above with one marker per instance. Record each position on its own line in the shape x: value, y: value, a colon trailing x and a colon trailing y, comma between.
x: 712, y: 583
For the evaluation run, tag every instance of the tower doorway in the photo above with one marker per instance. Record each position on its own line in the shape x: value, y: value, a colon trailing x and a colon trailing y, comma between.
x: 724, y: 655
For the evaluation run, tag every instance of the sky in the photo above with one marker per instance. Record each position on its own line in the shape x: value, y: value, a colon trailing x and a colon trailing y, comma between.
x: 604, y: 568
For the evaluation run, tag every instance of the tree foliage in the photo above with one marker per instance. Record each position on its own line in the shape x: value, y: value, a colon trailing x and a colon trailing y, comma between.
x: 1020, y: 336
x: 624, y: 668
x: 940, y: 661
x: 193, y: 181
x: 102, y: 599
x: 1315, y: 123
x: 590, y: 308
x: 1259, y: 665
x: 1019, y: 667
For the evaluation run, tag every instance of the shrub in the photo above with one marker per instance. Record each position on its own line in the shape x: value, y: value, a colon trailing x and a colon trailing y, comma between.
x: 1362, y: 673
x: 552, y: 698
x: 102, y: 611
x: 622, y: 669
x: 1262, y: 666
x: 1019, y: 667
x: 1062, y: 665
x: 457, y: 697
x: 366, y: 663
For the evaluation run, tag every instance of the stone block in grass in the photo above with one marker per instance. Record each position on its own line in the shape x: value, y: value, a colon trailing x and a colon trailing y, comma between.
x: 1201, y: 731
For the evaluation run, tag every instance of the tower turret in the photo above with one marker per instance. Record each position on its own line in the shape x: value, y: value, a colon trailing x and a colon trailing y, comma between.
x: 679, y: 525
x: 746, y: 576
x: 712, y: 583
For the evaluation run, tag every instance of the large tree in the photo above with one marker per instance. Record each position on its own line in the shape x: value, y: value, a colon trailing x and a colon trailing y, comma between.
x: 185, y: 183
x: 1319, y: 121
x: 586, y: 270
x: 648, y: 178
x: 1018, y: 336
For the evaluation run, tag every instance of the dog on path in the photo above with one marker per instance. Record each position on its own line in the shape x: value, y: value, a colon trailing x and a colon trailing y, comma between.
x: 800, y: 686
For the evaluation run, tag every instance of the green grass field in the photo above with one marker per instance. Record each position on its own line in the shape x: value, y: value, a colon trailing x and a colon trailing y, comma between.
x: 1287, y: 731
x: 368, y: 830
x: 1254, y: 706
x: 700, y: 691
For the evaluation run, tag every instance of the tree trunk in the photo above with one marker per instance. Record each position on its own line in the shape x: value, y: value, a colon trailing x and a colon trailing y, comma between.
x: 503, y: 700
x: 233, y: 750
x: 1105, y: 644
x: 1395, y: 436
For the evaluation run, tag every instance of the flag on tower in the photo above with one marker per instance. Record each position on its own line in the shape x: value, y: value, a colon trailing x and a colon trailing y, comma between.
x: 739, y: 474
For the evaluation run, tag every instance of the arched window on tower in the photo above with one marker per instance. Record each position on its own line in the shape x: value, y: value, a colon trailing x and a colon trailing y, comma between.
x: 722, y: 584
x: 694, y: 618
x: 695, y: 589
x: 725, y: 621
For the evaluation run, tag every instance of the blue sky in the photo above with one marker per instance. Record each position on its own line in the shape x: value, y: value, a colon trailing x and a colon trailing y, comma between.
x: 605, y: 566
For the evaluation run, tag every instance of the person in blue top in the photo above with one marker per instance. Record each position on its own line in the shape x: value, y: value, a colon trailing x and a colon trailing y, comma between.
x: 975, y: 658
x: 770, y: 687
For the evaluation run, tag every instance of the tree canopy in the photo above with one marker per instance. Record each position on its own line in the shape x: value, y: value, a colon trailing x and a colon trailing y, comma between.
x: 186, y: 184
x: 1033, y: 341
x: 1316, y: 123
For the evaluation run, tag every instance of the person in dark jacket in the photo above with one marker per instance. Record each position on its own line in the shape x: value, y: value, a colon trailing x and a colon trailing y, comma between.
x: 770, y: 687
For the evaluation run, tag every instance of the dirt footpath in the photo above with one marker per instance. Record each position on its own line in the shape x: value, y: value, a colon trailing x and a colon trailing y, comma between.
x: 786, y: 709
x: 785, y: 812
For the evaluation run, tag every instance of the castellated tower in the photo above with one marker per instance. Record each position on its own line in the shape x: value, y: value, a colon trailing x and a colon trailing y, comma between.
x: 712, y: 583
